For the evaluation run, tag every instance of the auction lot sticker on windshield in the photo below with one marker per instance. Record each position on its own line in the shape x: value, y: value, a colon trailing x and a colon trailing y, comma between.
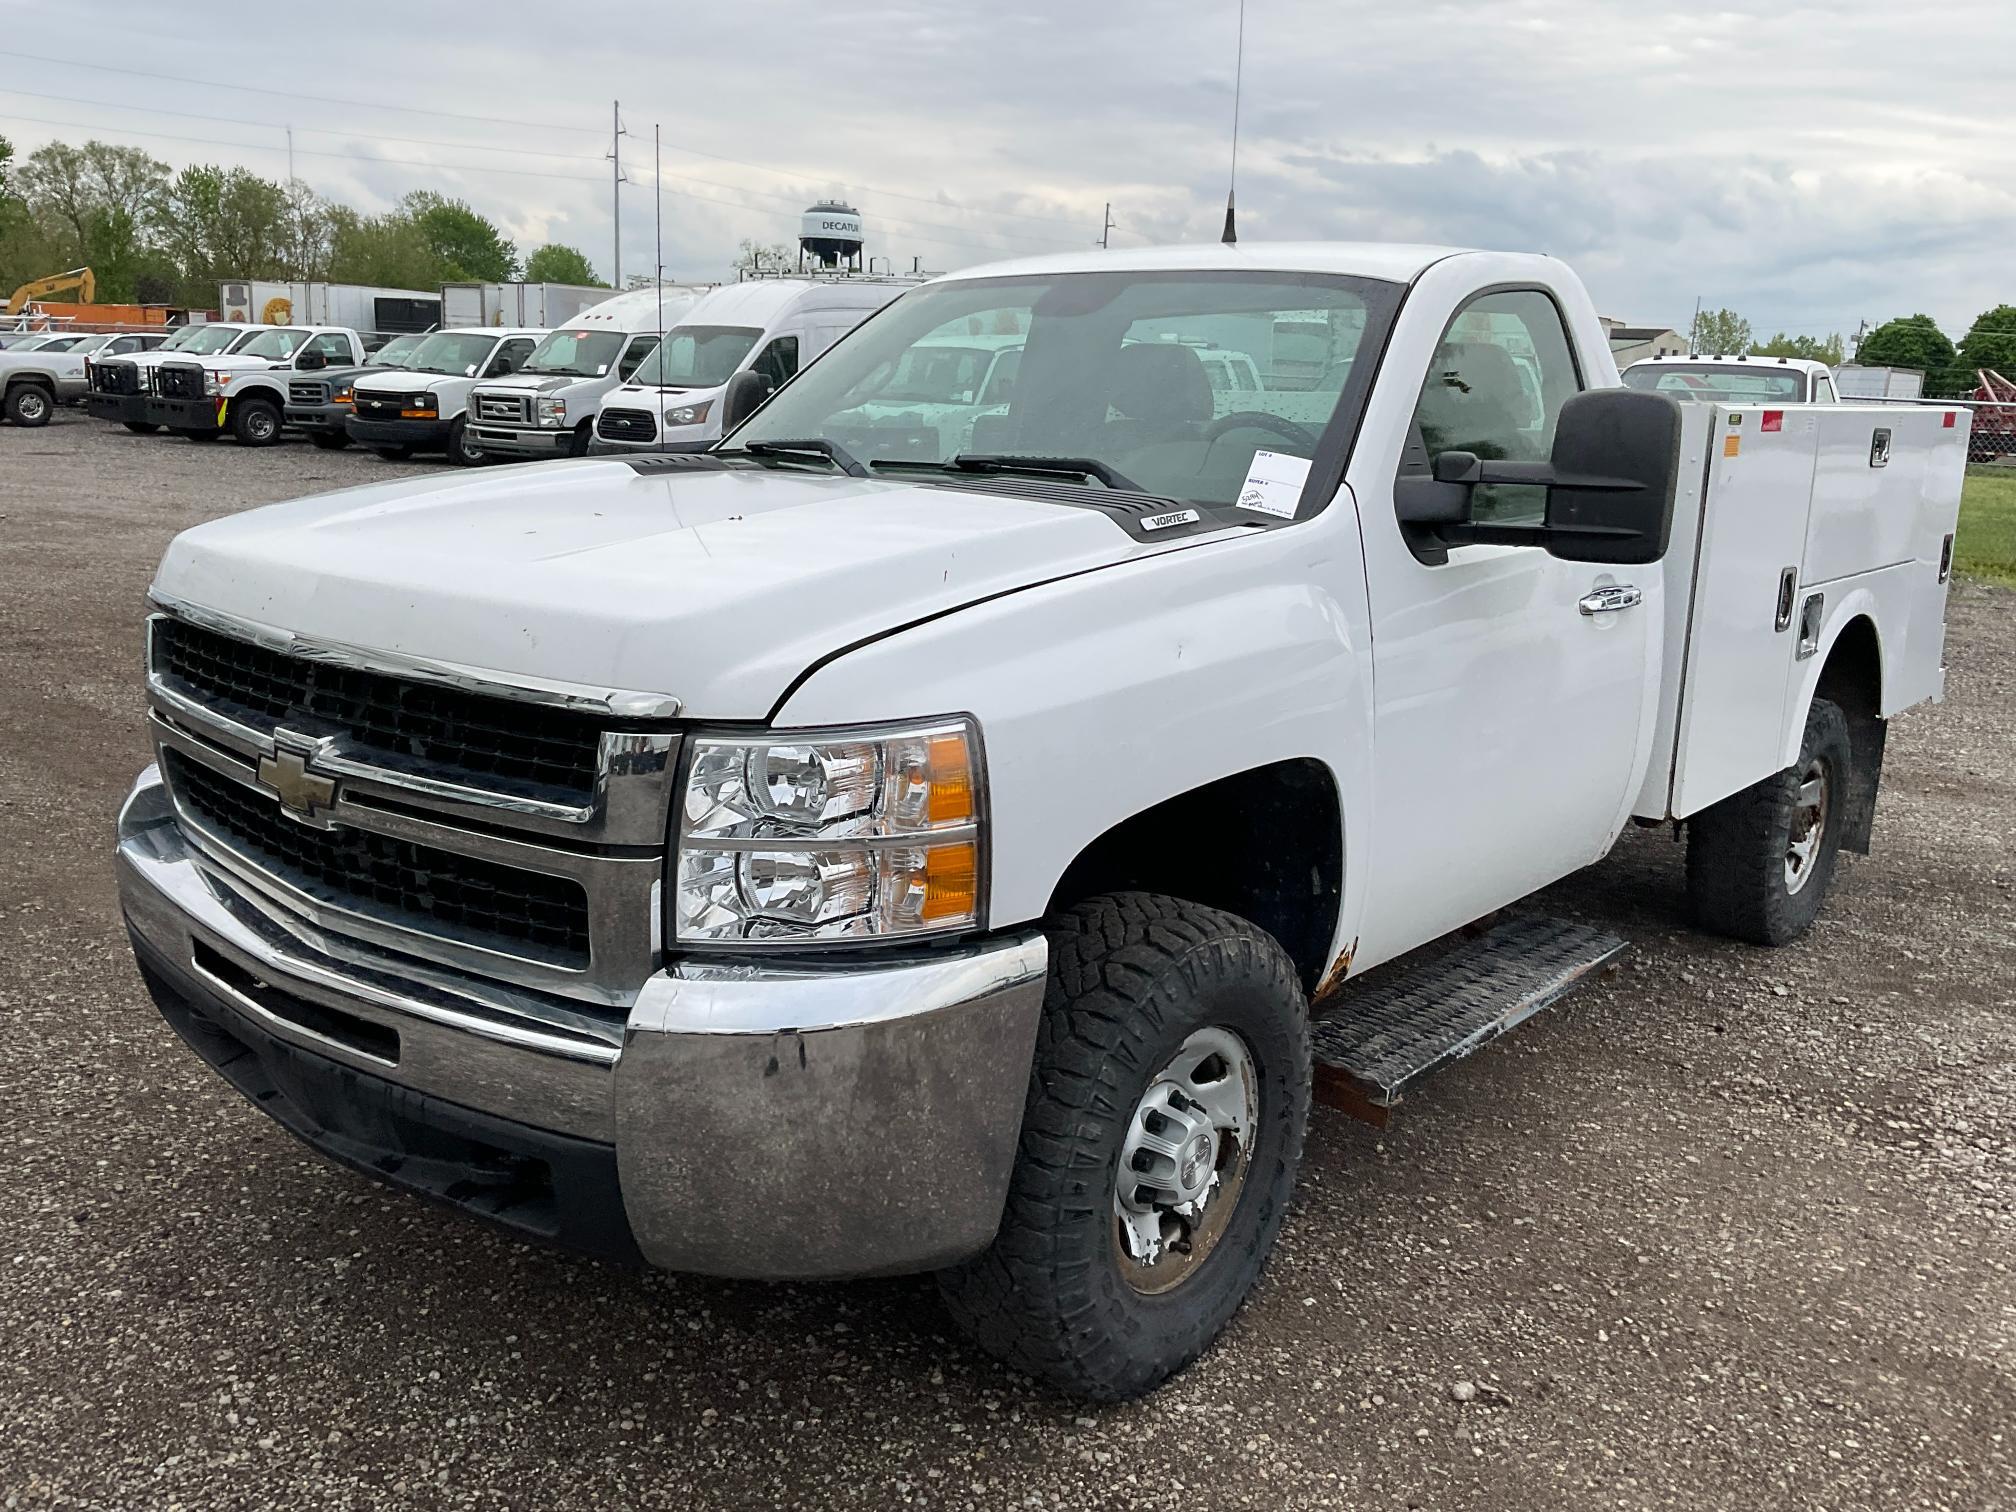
x: 1274, y: 483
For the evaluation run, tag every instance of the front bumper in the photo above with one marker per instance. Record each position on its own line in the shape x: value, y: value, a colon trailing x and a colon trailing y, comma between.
x: 421, y: 435
x: 125, y: 408
x: 522, y: 441
x: 184, y: 414
x: 598, y: 447
x: 317, y: 417
x: 764, y: 1121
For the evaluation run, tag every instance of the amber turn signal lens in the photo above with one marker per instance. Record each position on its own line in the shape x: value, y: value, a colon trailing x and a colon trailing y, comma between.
x: 951, y: 769
x: 951, y: 881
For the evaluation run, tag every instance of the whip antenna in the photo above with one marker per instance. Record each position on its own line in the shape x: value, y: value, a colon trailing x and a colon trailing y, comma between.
x: 1238, y: 83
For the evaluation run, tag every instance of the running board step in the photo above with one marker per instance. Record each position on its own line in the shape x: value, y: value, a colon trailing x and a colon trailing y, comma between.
x: 1406, y: 1020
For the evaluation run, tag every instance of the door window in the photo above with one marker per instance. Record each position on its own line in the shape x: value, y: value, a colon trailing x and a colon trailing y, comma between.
x: 634, y: 354
x: 1495, y: 390
x: 1823, y: 391
x: 510, y: 356
x: 331, y: 347
x: 778, y: 361
x: 122, y: 344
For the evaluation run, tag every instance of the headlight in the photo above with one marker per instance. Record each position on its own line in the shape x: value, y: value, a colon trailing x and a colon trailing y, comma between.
x: 341, y: 396
x: 214, y: 383
x: 810, y: 836
x: 688, y: 414
x: 552, y: 411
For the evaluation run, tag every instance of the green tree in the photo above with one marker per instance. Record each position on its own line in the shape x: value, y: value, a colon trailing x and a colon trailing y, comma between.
x: 555, y: 263
x: 6, y: 158
x: 464, y: 244
x: 387, y: 250
x: 98, y: 205
x: 1910, y: 341
x: 1719, y: 332
x: 1989, y: 343
x: 1812, y: 348
x: 224, y: 223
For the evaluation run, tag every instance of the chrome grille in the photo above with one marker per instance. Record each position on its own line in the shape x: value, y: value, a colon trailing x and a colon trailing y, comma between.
x: 509, y: 409
x: 463, y: 897
x: 626, y: 425
x: 307, y: 393
x: 486, y: 742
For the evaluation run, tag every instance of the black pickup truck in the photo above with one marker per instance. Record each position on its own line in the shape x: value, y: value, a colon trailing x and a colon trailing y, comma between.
x: 318, y: 404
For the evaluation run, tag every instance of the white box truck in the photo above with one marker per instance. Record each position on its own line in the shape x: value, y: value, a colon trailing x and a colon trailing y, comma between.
x: 523, y: 305
x: 1858, y: 382
x: 359, y: 307
x: 829, y: 855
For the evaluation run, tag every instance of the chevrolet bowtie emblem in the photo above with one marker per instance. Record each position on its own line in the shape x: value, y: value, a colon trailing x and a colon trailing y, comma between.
x: 303, y: 794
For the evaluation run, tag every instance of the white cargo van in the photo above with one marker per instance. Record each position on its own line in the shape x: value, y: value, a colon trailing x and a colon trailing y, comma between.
x: 771, y: 326
x: 547, y: 408
x: 421, y: 407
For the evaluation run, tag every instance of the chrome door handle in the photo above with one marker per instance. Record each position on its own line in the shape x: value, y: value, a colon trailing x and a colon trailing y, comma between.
x: 1609, y: 599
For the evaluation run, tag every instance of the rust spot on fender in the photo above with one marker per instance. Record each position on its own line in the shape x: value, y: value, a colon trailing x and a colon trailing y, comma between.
x: 1333, y: 979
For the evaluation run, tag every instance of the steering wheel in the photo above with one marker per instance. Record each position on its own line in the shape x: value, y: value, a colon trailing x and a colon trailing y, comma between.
x: 1261, y: 420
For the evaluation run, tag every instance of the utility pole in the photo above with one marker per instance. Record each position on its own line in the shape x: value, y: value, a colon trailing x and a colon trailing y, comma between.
x: 1107, y: 229
x: 1694, y: 331
x: 290, y: 154
x: 616, y: 189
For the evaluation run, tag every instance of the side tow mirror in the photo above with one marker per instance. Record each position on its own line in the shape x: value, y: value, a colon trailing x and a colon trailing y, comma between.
x: 1616, y: 466
x: 745, y: 395
x: 311, y: 361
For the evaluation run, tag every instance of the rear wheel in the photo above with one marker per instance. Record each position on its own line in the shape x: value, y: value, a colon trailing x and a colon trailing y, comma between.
x: 1759, y: 863
x: 1159, y: 1145
x: 140, y: 427
x: 255, y: 422
x: 30, y: 404
x: 328, y: 440
x: 464, y: 450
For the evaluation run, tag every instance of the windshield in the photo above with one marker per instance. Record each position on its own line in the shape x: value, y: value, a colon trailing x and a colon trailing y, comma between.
x: 180, y: 337
x: 210, y: 339
x: 274, y: 344
x: 396, y: 352
x: 575, y: 354
x: 452, y: 353
x: 1720, y: 384
x: 54, y: 343
x: 1103, y: 367
x: 694, y: 356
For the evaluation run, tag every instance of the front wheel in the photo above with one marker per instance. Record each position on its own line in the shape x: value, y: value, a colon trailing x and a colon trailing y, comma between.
x: 1759, y: 863
x: 255, y: 422
x: 464, y: 450
x: 140, y: 427
x: 328, y: 440
x: 1159, y: 1146
x: 30, y: 405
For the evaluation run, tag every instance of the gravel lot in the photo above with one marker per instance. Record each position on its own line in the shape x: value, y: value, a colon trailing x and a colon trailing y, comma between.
x: 1730, y: 1228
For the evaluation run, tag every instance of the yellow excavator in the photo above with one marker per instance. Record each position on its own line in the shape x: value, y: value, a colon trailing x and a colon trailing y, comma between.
x: 82, y: 280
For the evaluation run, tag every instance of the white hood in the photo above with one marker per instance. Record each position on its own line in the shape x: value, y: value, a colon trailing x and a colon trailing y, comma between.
x: 713, y: 588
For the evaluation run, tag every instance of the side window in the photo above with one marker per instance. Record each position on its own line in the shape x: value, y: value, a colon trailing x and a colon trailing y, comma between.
x: 331, y: 346
x: 778, y: 361
x: 633, y: 356
x: 1823, y: 391
x: 121, y: 344
x: 510, y: 357
x: 1495, y: 389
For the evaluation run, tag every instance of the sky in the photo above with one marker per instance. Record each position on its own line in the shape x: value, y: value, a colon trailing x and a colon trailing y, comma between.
x: 1810, y: 167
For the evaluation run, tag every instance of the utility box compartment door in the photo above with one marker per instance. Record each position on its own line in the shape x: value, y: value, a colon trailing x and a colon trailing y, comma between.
x: 1743, y: 618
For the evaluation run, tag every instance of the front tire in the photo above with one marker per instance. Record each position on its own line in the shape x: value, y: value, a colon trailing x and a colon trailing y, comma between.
x: 30, y: 405
x: 255, y: 422
x: 1159, y: 1146
x: 140, y: 427
x: 1759, y: 863
x: 464, y: 450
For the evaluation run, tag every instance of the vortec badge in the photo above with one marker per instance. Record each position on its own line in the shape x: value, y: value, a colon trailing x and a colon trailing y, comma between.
x: 304, y: 795
x: 1172, y: 518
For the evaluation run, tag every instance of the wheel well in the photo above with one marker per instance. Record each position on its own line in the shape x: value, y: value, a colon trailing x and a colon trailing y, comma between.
x: 1266, y: 844
x: 30, y: 380
x: 1852, y: 680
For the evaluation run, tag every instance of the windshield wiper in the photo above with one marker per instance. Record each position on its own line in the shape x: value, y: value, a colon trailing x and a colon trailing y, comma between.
x: 1054, y: 467
x: 832, y: 451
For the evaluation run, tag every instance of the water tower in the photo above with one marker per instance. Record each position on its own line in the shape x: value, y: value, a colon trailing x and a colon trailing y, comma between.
x: 830, y: 235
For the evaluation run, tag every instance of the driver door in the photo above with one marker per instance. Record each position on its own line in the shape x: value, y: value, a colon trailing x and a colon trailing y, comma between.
x: 1509, y: 712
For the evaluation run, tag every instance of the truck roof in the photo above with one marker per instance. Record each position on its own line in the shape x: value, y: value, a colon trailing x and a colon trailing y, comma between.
x: 637, y: 309
x: 1796, y: 364
x: 762, y: 301
x: 1394, y: 262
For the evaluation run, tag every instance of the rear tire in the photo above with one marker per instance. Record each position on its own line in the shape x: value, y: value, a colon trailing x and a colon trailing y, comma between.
x: 1759, y: 863
x: 1141, y: 986
x: 30, y: 405
x: 328, y: 440
x: 140, y: 427
x: 255, y: 422
x: 463, y: 449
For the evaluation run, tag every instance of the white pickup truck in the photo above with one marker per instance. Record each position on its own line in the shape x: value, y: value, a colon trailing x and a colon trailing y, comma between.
x: 823, y: 856
x: 244, y: 391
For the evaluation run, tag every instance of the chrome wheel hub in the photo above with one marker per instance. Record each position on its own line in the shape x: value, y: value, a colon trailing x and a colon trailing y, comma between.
x: 1189, y: 1143
x: 1809, y: 825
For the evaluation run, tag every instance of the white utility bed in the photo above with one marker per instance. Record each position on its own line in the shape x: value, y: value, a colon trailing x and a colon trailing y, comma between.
x: 1790, y: 525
